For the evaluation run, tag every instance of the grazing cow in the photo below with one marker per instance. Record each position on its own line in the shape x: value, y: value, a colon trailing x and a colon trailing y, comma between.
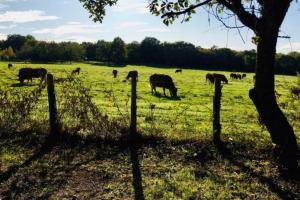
x: 244, y: 76
x: 178, y: 71
x: 76, y: 71
x: 295, y: 91
x: 115, y: 73
x: 9, y: 65
x: 30, y: 73
x: 164, y: 81
x: 236, y: 76
x: 221, y: 77
x: 210, y: 78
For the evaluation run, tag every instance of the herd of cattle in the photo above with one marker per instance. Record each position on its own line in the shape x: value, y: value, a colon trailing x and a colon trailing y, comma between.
x: 156, y: 80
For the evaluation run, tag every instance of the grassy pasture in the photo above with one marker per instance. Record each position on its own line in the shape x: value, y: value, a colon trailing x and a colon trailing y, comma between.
x: 173, y: 169
x: 187, y: 118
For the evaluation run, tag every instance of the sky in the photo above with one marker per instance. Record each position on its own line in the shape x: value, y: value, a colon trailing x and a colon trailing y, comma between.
x: 67, y: 20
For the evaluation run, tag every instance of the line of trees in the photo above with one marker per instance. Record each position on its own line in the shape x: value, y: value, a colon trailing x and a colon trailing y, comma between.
x: 148, y: 52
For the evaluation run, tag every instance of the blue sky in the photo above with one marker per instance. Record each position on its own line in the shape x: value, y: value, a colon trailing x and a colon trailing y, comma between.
x: 67, y: 20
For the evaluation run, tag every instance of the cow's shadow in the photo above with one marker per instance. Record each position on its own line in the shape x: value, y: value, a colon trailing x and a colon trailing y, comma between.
x: 23, y: 85
x: 162, y: 96
x: 106, y: 64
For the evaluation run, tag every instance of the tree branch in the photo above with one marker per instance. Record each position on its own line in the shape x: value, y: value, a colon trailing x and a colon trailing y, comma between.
x: 235, y: 6
x: 192, y: 7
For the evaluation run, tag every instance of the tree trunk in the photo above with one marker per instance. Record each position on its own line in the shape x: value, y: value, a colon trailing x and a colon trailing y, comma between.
x: 263, y: 96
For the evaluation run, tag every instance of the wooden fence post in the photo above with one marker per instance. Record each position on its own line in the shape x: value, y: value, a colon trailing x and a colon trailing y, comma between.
x: 216, y: 112
x: 133, y: 119
x: 54, y: 127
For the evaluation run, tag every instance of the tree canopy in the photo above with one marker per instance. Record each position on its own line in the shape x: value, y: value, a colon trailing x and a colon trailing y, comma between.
x: 149, y: 51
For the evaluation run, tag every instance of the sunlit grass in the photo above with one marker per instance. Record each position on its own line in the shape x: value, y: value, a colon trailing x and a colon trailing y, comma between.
x: 171, y: 170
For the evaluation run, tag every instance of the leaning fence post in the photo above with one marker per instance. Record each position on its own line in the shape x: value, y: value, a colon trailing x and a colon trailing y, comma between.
x: 54, y: 127
x: 216, y: 112
x: 133, y: 118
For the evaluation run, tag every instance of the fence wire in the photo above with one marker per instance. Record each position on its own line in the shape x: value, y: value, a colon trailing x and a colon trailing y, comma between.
x: 102, y: 107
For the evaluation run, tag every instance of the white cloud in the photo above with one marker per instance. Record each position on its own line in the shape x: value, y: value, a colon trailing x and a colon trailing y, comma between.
x: 154, y: 30
x: 72, y: 28
x: 8, y: 27
x: 3, y: 37
x: 74, y: 38
x: 294, y: 46
x: 25, y: 16
x: 131, y: 24
x: 131, y: 5
x: 3, y: 1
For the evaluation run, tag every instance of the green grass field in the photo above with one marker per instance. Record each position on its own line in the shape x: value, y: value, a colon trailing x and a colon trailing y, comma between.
x: 184, y: 165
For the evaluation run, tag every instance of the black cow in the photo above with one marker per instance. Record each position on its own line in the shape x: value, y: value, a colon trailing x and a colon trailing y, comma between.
x: 221, y: 77
x: 178, y: 71
x: 232, y: 75
x: 9, y: 65
x: 236, y: 76
x: 164, y: 81
x: 210, y: 78
x: 244, y: 76
x: 115, y: 73
x: 76, y: 71
x: 30, y: 73
x: 295, y: 91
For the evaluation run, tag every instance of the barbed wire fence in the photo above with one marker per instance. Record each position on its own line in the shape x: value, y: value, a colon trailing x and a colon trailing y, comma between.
x: 16, y: 106
x: 79, y: 113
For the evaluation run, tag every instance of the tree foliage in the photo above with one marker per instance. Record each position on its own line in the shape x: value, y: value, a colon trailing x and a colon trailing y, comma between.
x: 118, y: 51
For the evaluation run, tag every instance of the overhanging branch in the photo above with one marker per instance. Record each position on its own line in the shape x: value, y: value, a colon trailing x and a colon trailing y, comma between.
x: 248, y: 19
x: 192, y: 7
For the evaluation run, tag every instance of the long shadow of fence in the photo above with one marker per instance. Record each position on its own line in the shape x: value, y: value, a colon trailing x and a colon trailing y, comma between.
x: 136, y: 173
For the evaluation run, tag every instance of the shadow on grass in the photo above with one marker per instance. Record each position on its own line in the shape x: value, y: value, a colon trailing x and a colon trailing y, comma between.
x: 105, y: 64
x: 136, y: 173
x: 239, y: 161
x: 49, y: 171
x: 46, y: 147
x: 157, y: 94
x: 23, y: 85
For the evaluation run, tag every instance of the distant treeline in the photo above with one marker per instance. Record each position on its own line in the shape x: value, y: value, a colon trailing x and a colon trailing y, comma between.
x: 148, y: 52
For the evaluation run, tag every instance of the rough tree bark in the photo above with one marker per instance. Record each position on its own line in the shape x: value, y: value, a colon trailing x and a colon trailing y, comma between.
x: 263, y: 93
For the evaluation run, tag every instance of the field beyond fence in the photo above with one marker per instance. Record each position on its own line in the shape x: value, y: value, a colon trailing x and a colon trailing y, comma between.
x: 94, y: 104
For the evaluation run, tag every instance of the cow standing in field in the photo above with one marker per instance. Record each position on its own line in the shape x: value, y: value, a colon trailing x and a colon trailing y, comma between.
x: 221, y: 77
x: 30, y: 73
x: 210, y: 78
x: 236, y: 76
x: 295, y: 91
x: 244, y: 76
x: 115, y: 73
x: 178, y: 71
x: 9, y: 65
x: 164, y: 81
x: 76, y: 71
